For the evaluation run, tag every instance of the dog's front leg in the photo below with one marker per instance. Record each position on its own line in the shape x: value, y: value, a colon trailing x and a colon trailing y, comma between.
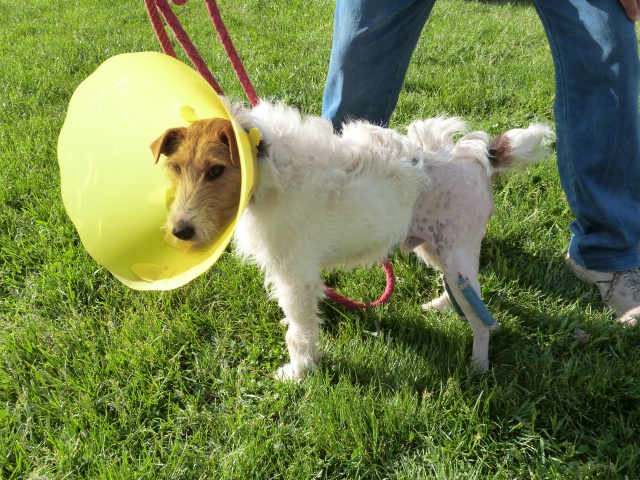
x: 299, y: 302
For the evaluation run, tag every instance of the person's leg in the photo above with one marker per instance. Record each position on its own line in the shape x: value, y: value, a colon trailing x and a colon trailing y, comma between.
x: 595, y: 52
x: 373, y: 41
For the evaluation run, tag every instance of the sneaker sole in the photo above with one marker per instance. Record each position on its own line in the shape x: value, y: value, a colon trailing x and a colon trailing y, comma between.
x: 576, y: 270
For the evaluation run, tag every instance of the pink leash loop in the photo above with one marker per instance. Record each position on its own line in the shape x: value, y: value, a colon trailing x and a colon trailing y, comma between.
x: 391, y: 284
x: 156, y: 8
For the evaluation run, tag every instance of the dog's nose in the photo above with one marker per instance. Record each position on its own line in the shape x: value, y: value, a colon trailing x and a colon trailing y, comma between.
x: 184, y: 231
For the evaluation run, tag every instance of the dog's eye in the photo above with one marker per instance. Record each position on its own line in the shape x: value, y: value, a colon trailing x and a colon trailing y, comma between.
x: 215, y: 172
x: 177, y: 169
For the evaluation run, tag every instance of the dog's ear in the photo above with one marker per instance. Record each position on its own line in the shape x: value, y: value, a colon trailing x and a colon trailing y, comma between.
x: 228, y: 136
x: 167, y: 143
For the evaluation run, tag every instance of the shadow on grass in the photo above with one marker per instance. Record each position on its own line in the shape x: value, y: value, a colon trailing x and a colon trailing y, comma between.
x: 422, y: 353
x: 442, y: 348
x: 544, y: 273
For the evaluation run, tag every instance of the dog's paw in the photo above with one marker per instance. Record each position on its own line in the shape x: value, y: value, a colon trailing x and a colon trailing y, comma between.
x: 288, y: 374
x: 441, y: 304
x: 479, y: 365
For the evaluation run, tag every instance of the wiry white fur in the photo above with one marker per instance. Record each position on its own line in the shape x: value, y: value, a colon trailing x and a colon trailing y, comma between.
x: 530, y: 143
x: 312, y: 181
x: 438, y: 133
x: 325, y: 201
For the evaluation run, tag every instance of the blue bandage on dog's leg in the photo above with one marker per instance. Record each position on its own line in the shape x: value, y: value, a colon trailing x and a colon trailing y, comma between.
x: 453, y: 301
x: 476, y: 303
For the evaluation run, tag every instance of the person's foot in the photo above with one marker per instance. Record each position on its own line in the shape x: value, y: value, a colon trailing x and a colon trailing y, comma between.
x: 619, y: 290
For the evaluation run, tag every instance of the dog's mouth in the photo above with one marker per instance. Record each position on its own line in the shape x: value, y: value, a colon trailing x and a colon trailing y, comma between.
x: 177, y: 243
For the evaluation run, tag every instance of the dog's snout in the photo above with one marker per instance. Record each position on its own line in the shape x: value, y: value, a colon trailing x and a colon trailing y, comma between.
x: 184, y: 231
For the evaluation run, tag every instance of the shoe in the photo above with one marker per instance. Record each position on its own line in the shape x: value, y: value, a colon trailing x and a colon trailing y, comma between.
x: 619, y: 290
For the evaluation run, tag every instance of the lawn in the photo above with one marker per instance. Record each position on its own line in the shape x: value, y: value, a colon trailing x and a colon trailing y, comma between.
x: 99, y: 381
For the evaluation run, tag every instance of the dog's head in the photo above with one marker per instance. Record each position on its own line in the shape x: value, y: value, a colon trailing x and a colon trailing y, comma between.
x: 203, y: 163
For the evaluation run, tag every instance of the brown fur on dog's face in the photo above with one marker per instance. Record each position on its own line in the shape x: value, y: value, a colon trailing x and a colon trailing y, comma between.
x: 203, y: 163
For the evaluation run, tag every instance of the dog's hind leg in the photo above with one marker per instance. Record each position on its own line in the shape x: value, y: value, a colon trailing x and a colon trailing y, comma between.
x: 480, y: 350
x: 299, y: 302
x: 453, y: 225
x: 440, y: 304
x: 454, y: 261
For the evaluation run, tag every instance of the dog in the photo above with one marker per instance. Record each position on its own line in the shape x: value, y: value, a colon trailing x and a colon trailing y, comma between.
x: 327, y: 200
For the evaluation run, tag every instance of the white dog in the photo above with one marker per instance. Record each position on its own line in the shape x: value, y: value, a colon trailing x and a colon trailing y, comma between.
x: 328, y: 201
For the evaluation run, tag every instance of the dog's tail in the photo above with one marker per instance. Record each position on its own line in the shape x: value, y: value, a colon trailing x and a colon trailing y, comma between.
x: 520, y: 146
x: 434, y: 134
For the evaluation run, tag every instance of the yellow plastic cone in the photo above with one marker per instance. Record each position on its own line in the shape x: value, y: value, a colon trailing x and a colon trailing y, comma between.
x: 114, y: 193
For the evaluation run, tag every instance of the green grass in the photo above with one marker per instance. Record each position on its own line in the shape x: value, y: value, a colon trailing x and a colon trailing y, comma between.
x: 98, y: 381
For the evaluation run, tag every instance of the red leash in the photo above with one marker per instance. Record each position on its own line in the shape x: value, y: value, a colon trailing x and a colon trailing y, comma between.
x: 156, y: 8
x: 386, y: 295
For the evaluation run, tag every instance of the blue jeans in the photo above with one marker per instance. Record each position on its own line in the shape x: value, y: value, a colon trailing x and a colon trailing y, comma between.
x: 597, y: 71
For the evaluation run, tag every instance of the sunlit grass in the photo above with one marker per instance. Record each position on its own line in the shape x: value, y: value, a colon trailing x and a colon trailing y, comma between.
x: 98, y: 381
